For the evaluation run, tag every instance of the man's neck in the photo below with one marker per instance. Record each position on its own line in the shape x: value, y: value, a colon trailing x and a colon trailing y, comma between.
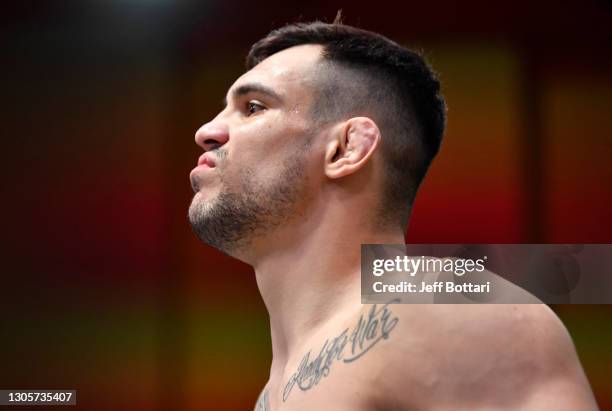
x: 311, y: 280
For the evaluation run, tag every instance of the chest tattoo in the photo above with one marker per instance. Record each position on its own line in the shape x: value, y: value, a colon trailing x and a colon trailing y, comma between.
x: 350, y: 345
x: 263, y: 402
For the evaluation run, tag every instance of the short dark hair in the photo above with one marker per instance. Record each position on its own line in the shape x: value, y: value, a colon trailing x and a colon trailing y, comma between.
x: 366, y: 73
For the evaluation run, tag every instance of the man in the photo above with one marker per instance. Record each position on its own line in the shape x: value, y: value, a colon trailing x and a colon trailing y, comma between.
x: 320, y: 148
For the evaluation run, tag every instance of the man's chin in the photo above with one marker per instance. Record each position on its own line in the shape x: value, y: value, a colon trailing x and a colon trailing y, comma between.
x: 205, y: 199
x: 200, y: 208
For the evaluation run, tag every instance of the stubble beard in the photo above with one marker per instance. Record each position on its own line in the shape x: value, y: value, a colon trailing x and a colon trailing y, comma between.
x: 236, y: 217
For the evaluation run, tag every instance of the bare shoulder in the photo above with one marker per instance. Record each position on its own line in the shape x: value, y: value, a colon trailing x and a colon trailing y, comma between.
x: 485, y: 356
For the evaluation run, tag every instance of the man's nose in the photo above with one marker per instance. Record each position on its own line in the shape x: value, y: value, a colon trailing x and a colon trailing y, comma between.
x: 212, y: 135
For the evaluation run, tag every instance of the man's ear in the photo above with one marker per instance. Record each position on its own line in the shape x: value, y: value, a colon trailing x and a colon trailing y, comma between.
x: 351, y: 146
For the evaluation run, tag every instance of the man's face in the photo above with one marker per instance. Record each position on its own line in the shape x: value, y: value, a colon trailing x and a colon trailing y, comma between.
x: 254, y: 174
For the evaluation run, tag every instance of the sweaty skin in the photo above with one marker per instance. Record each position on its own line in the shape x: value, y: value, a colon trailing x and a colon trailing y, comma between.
x: 305, y: 200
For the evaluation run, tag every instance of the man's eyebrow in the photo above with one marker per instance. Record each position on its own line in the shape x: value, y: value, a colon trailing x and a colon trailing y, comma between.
x: 253, y: 88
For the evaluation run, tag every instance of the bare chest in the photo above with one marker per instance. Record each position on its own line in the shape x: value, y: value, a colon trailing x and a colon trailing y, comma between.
x: 341, y: 372
x: 347, y: 387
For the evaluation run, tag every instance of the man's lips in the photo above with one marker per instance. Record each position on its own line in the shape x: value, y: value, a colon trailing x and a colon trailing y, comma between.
x: 206, y: 160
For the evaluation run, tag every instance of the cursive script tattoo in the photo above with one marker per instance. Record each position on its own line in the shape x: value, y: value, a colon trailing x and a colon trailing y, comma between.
x: 346, y: 347
x: 263, y: 402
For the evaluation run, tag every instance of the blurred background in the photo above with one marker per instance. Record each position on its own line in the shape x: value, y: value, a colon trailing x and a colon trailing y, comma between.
x: 105, y: 289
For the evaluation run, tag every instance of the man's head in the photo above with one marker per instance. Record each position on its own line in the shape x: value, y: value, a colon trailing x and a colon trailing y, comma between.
x: 316, y: 103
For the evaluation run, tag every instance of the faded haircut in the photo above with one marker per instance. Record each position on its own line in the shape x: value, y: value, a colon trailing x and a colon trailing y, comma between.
x: 365, y: 73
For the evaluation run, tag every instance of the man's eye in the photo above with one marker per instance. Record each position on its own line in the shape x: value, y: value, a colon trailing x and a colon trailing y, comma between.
x: 253, y: 107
